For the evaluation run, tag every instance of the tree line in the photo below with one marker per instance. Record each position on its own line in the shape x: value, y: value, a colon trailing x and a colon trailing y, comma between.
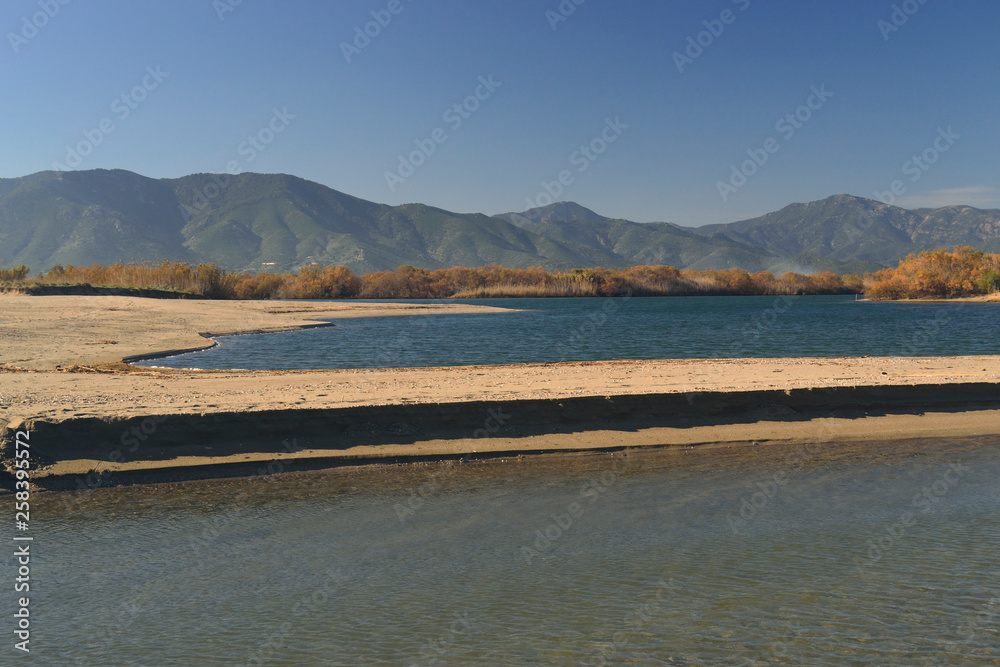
x: 408, y: 282
x: 937, y: 274
x: 961, y: 272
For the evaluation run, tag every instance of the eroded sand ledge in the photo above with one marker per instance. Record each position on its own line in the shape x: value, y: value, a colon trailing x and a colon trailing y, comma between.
x: 88, y: 413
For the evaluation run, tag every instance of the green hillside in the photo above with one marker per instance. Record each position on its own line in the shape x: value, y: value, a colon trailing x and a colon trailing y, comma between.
x: 253, y: 222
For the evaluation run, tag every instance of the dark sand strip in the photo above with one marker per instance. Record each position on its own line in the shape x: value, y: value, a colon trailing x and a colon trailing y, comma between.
x: 222, y: 444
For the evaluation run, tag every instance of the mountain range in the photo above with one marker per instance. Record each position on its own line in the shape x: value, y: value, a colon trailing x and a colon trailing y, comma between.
x: 277, y: 222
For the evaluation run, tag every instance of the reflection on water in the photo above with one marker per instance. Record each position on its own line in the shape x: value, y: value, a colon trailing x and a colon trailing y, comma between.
x: 550, y: 330
x: 871, y: 555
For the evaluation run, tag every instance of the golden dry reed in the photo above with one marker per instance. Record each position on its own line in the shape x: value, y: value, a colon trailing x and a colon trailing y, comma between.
x: 407, y: 282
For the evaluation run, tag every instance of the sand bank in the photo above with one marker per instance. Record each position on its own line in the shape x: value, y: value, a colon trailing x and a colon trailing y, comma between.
x: 52, y: 332
x: 86, y: 412
x: 89, y: 452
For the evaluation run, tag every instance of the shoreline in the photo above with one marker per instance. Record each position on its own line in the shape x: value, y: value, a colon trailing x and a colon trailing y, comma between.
x: 171, y: 447
x: 210, y: 337
x: 96, y: 421
x: 979, y: 298
x: 43, y: 333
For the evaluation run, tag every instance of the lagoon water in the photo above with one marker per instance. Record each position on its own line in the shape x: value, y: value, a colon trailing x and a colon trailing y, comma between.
x: 549, y: 330
x: 826, y: 555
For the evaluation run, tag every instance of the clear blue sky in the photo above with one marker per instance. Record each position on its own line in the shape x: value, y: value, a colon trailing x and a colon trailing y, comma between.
x: 892, y: 91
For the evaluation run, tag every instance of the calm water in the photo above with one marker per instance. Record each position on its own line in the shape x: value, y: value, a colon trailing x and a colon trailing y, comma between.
x: 669, y: 559
x: 548, y: 330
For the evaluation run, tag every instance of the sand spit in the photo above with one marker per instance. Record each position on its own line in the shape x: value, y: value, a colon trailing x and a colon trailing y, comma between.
x: 94, y: 421
x: 56, y: 332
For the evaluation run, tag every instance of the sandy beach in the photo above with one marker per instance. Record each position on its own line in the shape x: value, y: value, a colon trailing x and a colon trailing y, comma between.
x: 57, y: 332
x: 61, y: 376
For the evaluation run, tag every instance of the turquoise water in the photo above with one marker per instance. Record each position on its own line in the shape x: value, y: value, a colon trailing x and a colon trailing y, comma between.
x: 757, y: 556
x: 549, y: 330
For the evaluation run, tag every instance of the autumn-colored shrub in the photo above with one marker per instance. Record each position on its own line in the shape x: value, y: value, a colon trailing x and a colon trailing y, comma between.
x: 408, y: 282
x: 331, y: 282
x: 937, y: 274
x: 14, y: 274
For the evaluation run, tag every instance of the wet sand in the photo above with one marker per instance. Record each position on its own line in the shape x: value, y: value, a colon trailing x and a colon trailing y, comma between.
x: 61, y: 377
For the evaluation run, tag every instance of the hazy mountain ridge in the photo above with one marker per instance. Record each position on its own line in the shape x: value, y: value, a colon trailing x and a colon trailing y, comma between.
x: 855, y: 229
x: 279, y: 222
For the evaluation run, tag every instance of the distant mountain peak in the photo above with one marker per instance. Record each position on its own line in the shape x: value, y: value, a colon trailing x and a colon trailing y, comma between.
x: 561, y: 211
x: 841, y: 200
